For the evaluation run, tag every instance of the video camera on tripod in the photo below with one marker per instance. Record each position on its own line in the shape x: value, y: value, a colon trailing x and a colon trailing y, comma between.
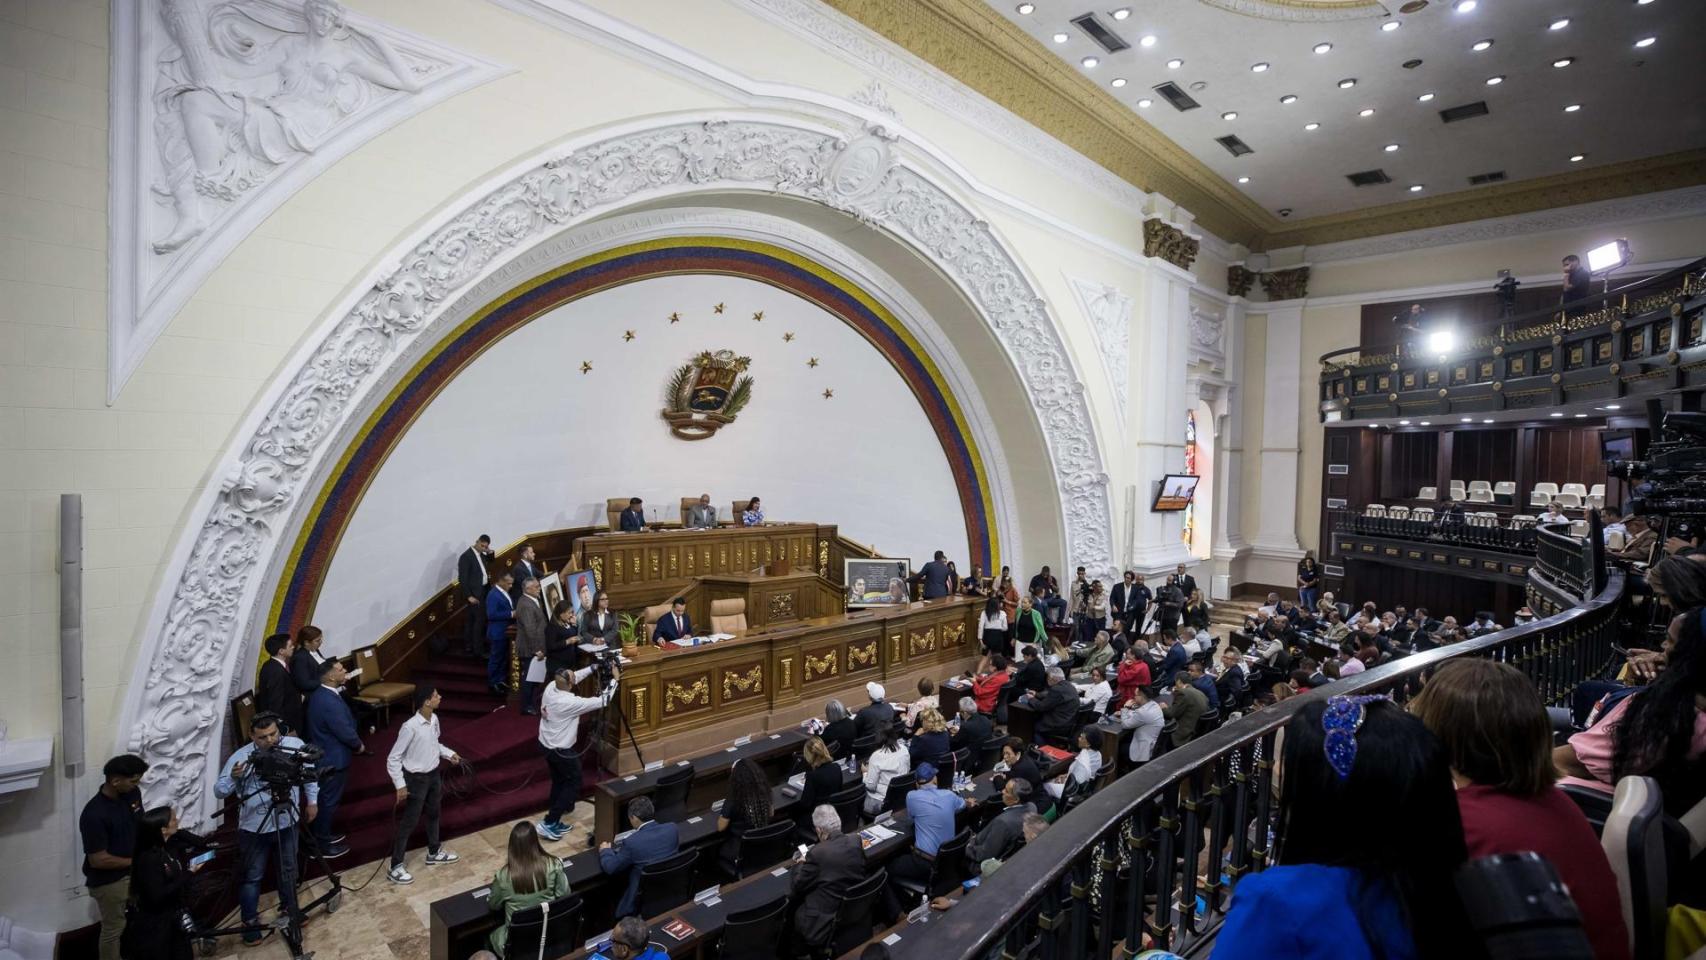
x: 283, y: 766
x: 1673, y: 477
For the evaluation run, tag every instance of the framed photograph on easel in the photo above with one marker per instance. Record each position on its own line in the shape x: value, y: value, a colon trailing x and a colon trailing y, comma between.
x: 551, y: 592
x: 579, y: 587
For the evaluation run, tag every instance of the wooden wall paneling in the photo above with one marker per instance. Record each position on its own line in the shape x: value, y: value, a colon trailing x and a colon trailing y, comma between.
x: 1460, y: 596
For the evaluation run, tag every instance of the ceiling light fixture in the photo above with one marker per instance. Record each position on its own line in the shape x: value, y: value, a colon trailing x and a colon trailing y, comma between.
x: 1122, y: 13
x: 1486, y: 421
x: 1366, y: 112
x: 1117, y: 82
x: 1424, y: 98
x: 1613, y: 406
x: 1572, y: 107
x: 1391, y: 148
x: 1559, y: 23
x: 1645, y: 42
x: 1229, y: 115
x: 1323, y: 47
x: 1415, y: 188
x: 1312, y: 126
x: 1642, y: 3
x: 1025, y: 9
x: 1557, y: 413
x: 1563, y: 61
x: 1289, y: 98
x: 1578, y: 157
x: 1243, y: 179
x: 1090, y: 62
x: 1389, y: 26
x: 1464, y: 6
x: 1060, y: 38
x: 1144, y: 103
x: 1495, y: 81
x: 1147, y: 41
x: 1581, y: 416
x: 1175, y: 64
x: 1259, y: 67
x: 1481, y: 45
x: 1403, y: 423
x: 1467, y: 420
x: 1347, y: 83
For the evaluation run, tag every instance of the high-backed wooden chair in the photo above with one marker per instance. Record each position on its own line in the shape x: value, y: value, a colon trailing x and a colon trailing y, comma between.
x: 738, y: 510
x: 613, y: 508
x: 653, y: 614
x: 243, y: 710
x: 372, y: 687
x: 686, y: 505
x: 728, y: 615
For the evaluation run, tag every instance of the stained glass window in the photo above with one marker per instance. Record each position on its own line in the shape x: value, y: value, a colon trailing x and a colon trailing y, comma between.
x: 1190, y: 526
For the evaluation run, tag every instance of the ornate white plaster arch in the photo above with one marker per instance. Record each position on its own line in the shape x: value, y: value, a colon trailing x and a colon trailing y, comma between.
x: 175, y: 708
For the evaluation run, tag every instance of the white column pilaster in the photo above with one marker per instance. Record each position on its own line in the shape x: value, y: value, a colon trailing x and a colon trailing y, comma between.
x: 1276, y: 527
x: 1229, y: 545
x: 1156, y: 419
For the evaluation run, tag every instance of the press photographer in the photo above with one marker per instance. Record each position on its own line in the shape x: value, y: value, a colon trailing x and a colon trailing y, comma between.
x: 1170, y: 599
x: 560, y: 711
x: 275, y: 779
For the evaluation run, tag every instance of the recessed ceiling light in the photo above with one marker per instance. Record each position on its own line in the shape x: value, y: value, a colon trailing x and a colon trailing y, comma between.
x: 1060, y: 38
x: 1578, y: 157
x: 1147, y: 41
x: 1581, y: 416
x: 1557, y: 413
x: 1259, y: 67
x: 1486, y: 421
x: 1424, y: 98
x: 1403, y: 423
x: 1495, y: 81
x: 1467, y: 420
x: 1646, y: 42
x: 1347, y: 83
x: 1389, y: 26
x: 1415, y: 188
x: 1089, y: 62
x: 1481, y: 45
x: 1289, y: 98
x: 1572, y: 107
x: 1122, y: 13
x: 1025, y: 9
x: 1312, y: 126
x: 1323, y: 47
x: 1243, y: 179
x: 1198, y: 86
x: 1144, y: 103
x: 1175, y: 64
x: 1366, y: 112
x: 1425, y: 423
x: 1613, y: 406
x: 1391, y: 148
x: 1559, y: 23
x: 1563, y: 61
x: 1117, y: 82
x: 1464, y: 6
x: 1642, y: 3
x: 1229, y: 115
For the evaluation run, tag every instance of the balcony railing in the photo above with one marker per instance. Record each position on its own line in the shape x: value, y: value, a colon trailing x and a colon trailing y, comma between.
x: 1123, y: 865
x: 1645, y: 338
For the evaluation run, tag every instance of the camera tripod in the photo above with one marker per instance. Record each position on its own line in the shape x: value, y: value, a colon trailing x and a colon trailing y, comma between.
x: 282, y: 805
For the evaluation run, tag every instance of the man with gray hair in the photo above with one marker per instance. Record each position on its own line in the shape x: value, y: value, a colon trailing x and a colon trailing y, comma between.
x: 823, y: 874
x: 838, y: 728
x: 702, y: 515
x: 1001, y: 835
x: 971, y: 729
x: 630, y: 939
x: 531, y: 622
x: 1058, y: 707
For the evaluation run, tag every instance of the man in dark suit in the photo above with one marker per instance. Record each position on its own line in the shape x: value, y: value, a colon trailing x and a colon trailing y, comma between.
x: 531, y: 626
x: 1128, y: 602
x: 649, y: 842
x: 1031, y: 674
x: 1002, y: 833
x: 275, y: 691
x: 834, y: 863
x: 974, y: 730
x: 873, y: 716
x: 934, y: 576
x: 633, y: 519
x: 1058, y: 707
x: 675, y: 624
x: 331, y: 727
x: 500, y: 613
x: 1187, y: 583
x: 471, y: 587
x: 1175, y: 660
x: 525, y: 569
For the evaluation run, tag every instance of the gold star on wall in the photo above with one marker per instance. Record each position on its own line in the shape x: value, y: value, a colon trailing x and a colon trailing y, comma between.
x: 627, y: 335
x: 759, y: 315
x: 675, y: 318
x: 586, y: 366
x: 812, y: 362
x: 717, y: 309
x: 787, y: 338
x: 828, y: 393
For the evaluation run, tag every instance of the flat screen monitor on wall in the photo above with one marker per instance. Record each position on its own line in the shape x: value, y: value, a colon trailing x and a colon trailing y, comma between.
x: 1616, y: 445
x: 1175, y: 492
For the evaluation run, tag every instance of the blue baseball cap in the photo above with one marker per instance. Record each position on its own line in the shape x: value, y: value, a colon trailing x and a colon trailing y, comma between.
x: 926, y: 771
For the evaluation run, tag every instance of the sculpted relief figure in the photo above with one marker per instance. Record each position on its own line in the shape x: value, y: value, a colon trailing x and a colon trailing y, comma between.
x: 249, y: 85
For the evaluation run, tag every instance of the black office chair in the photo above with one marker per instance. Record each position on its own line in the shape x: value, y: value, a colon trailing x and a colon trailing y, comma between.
x: 1594, y: 804
x: 669, y: 796
x: 988, y: 755
x: 947, y: 871
x: 763, y: 847
x: 899, y: 787
x: 854, y: 916
x: 863, y: 747
x: 1003, y: 697
x: 1209, y: 721
x: 754, y: 934
x: 849, y: 802
x: 667, y: 883
x: 549, y: 929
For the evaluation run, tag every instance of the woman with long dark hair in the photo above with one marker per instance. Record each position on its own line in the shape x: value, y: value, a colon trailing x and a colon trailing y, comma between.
x: 992, y: 628
x: 1308, y: 582
x: 529, y: 877
x: 1345, y: 893
x: 158, y: 883
x: 747, y: 807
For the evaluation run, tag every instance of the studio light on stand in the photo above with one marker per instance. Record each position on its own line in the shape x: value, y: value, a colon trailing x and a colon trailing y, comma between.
x: 1441, y: 342
x: 1608, y: 258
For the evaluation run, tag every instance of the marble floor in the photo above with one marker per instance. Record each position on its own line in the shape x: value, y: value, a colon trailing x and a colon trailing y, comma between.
x: 383, y: 920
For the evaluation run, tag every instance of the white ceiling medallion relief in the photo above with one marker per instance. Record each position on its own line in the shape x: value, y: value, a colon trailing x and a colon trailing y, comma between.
x: 1208, y: 338
x: 1109, y: 313
x: 220, y: 111
x: 874, y: 96
x: 173, y: 714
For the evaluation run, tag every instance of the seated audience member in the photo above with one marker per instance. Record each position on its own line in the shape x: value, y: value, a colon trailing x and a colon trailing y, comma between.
x: 824, y: 779
x: 1086, y: 764
x: 1356, y: 894
x: 1096, y: 659
x: 747, y: 807
x: 633, y: 519
x: 834, y: 863
x: 971, y: 728
x: 753, y: 515
x: 1369, y: 612
x: 650, y: 842
x: 873, y: 716
x: 1554, y: 514
x: 702, y: 515
x: 1031, y: 828
x: 1144, y: 718
x: 838, y: 728
x: 1523, y: 615
x: 1202, y: 681
x: 630, y: 940
x: 1610, y: 522
x: 1175, y: 659
x: 1350, y: 666
x: 159, y: 889
x: 1230, y: 682
x: 1017, y: 764
x: 931, y: 741
x: 972, y: 584
x: 1133, y: 672
x: 1658, y: 731
x: 1188, y: 706
x: 1057, y: 706
x: 1032, y: 676
x: 1483, y: 624
x: 1498, y: 740
x: 1001, y: 834
x: 1045, y: 596
x: 927, y: 700
x: 889, y: 760
x: 1640, y: 542
x: 986, y: 688
x: 1095, y: 692
x: 528, y: 878
x: 674, y: 625
x: 932, y: 811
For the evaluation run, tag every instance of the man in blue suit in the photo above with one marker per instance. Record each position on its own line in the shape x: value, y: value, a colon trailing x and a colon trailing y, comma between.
x: 1175, y: 660
x: 649, y: 843
x: 675, y: 624
x: 331, y: 727
x: 500, y: 613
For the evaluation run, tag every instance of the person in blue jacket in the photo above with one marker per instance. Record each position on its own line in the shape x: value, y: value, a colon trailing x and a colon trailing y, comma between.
x: 500, y: 613
x: 1348, y: 894
x: 331, y: 727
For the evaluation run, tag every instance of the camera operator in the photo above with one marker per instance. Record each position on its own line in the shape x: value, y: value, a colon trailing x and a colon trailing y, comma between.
x: 263, y: 824
x: 559, y: 727
x: 1171, y: 599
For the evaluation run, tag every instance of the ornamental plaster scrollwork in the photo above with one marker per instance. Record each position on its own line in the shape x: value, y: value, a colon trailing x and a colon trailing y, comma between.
x: 173, y: 712
x: 220, y: 111
x: 874, y: 95
x: 1208, y: 333
x: 1109, y: 313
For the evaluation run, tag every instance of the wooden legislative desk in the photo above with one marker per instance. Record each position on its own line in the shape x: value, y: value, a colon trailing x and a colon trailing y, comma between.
x: 681, y: 701
x: 640, y: 569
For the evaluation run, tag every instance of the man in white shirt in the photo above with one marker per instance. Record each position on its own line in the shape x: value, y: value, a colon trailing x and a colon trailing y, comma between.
x: 1554, y: 513
x: 1610, y: 522
x: 1096, y: 693
x: 1143, y: 717
x: 559, y: 727
x: 413, y: 766
x: 1084, y: 767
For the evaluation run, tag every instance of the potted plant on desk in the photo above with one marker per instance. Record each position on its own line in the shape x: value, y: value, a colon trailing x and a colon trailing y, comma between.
x: 629, y: 636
